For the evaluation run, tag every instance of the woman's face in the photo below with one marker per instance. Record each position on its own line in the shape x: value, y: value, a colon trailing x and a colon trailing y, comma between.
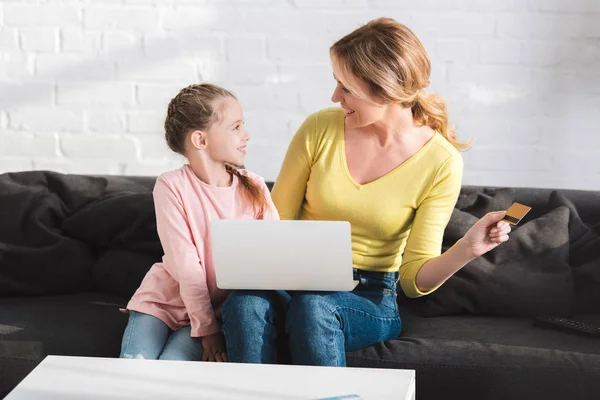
x: 359, y: 112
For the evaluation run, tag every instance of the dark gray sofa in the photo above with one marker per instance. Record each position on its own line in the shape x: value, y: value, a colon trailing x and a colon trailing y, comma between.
x: 73, y: 249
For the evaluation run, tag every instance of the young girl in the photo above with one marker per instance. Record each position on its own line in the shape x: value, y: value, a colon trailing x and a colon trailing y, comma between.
x: 175, y: 313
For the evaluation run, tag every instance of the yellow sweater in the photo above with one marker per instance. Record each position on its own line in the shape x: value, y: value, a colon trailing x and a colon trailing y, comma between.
x: 397, y: 221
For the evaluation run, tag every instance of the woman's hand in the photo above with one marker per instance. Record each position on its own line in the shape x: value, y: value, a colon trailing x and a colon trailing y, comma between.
x: 486, y: 234
x: 213, y: 348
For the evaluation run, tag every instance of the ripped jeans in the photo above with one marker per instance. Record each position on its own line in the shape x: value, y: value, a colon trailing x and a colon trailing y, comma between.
x: 148, y: 337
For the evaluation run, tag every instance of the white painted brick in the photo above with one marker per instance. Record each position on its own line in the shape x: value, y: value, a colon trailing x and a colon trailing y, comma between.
x: 540, y: 53
x: 82, y: 167
x: 491, y: 101
x: 250, y: 74
x: 41, y: 15
x: 423, y: 5
x: 157, y: 70
x: 27, y: 145
x: 570, y: 106
x: 146, y: 122
x: 287, y: 49
x: 134, y: 18
x: 315, y: 75
x: 275, y: 21
x: 15, y: 165
x: 9, y: 42
x: 492, y: 5
x: 45, y: 119
x: 283, y: 97
x: 462, y: 51
x: 75, y: 40
x: 268, y: 127
x: 151, y: 168
x: 567, y: 81
x: 30, y: 94
x: 94, y: 93
x: 105, y: 121
x: 116, y: 74
x: 39, y: 40
x: 68, y: 67
x: 244, y: 49
x: 317, y: 51
x: 501, y: 52
x: 202, y: 46
x: 510, y: 159
x: 15, y: 67
x: 204, y: 18
x: 212, y: 71
x: 580, y: 53
x: 156, y: 95
x: 494, y: 74
x: 453, y: 24
x: 576, y: 6
x: 128, y: 43
x: 346, y: 4
x: 90, y: 146
x: 547, y: 26
x: 536, y: 179
x: 526, y: 131
x: 154, y: 147
x: 338, y: 24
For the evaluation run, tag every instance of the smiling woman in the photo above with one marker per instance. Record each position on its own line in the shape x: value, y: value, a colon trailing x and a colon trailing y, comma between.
x: 386, y: 161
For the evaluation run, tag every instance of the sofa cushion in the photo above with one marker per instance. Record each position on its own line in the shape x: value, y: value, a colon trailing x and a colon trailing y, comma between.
x: 526, y: 276
x: 55, y: 226
x: 491, y: 358
x: 121, y: 271
x: 584, y: 242
x: 87, y: 324
x: 36, y: 257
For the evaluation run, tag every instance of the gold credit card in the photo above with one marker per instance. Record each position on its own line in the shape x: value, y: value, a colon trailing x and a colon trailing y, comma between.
x: 515, y: 213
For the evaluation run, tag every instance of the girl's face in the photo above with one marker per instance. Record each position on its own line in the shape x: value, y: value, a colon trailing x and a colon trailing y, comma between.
x: 359, y: 112
x: 226, y: 139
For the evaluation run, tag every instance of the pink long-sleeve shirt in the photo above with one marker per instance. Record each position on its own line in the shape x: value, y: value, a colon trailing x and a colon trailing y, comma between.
x: 181, y: 290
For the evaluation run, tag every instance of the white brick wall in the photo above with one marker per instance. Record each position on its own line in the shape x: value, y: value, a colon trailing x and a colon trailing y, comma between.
x: 84, y: 84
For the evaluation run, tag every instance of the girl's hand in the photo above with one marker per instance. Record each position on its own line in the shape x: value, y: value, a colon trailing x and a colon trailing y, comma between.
x: 486, y: 234
x: 213, y: 348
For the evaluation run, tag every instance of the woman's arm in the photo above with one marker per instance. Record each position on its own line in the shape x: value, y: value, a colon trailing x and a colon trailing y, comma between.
x: 290, y: 187
x: 486, y: 234
x: 427, y: 232
x: 423, y: 268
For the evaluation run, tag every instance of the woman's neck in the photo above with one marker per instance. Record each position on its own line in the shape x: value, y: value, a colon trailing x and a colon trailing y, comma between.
x: 210, y: 172
x: 397, y: 124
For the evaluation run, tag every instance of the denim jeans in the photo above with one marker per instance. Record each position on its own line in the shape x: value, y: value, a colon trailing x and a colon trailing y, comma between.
x: 319, y: 326
x: 148, y: 337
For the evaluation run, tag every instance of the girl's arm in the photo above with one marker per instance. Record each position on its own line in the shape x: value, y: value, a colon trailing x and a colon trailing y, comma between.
x: 181, y: 258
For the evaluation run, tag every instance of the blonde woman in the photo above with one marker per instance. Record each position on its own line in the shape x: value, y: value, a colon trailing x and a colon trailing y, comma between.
x: 388, y: 162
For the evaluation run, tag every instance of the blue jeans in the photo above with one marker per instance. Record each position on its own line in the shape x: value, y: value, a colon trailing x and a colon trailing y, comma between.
x: 148, y: 337
x: 319, y: 326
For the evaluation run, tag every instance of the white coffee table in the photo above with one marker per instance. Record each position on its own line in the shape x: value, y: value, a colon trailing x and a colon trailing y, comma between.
x: 70, y: 378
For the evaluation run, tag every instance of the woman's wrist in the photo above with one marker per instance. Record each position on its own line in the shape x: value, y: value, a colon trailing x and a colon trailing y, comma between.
x: 463, y: 252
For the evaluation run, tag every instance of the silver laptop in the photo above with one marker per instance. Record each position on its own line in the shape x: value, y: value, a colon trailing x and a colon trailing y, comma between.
x: 282, y: 255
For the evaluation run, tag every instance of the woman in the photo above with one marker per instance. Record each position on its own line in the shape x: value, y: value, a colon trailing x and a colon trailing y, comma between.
x: 388, y: 162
